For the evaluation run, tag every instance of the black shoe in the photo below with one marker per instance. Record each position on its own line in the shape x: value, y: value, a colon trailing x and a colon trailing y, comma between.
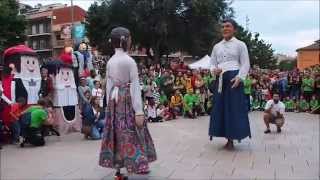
x: 267, y: 131
x: 278, y: 130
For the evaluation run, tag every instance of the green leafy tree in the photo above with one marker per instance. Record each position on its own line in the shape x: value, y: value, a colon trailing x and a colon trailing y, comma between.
x: 287, y: 65
x: 260, y: 52
x: 164, y: 26
x: 12, y: 25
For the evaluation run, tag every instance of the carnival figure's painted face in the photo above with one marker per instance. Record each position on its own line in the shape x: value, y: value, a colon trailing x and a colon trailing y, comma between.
x: 30, y: 67
x: 65, y: 77
x: 66, y: 93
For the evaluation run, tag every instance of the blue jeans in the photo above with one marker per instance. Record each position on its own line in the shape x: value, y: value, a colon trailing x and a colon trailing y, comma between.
x: 97, y: 129
x: 16, y: 129
x: 295, y: 92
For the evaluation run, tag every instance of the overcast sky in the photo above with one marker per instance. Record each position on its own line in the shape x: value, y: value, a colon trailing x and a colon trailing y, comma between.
x: 286, y: 24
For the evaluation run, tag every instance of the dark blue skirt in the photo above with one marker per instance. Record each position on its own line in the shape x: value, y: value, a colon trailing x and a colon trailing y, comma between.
x: 229, y: 116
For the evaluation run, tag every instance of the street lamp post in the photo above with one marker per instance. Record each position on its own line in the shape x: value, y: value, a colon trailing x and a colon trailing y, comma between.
x: 72, y: 19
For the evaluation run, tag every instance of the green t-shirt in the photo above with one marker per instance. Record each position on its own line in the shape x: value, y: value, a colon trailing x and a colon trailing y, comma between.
x: 208, y: 80
x: 189, y: 99
x: 307, y: 84
x: 304, y: 105
x: 289, y: 104
x: 159, y: 80
x: 247, y: 86
x: 255, y: 104
x: 163, y: 99
x: 197, y: 99
x: 38, y: 116
x: 314, y: 104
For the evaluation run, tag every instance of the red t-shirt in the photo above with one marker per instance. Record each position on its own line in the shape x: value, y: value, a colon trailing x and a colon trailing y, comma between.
x: 16, y: 110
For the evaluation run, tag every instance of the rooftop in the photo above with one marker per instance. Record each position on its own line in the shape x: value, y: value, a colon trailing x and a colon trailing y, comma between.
x: 314, y: 46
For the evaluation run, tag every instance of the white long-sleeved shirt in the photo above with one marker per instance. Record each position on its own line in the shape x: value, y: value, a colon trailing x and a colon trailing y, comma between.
x: 121, y: 69
x: 231, y: 55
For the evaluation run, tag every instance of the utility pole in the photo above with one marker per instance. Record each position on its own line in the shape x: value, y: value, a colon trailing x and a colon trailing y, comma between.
x: 247, y: 22
x: 72, y: 19
x: 72, y: 13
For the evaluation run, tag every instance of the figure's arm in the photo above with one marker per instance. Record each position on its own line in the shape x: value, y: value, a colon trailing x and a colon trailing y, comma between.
x: 135, y: 90
x: 244, y: 62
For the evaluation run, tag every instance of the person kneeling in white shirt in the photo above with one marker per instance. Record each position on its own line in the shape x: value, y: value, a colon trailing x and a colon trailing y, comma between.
x: 274, y: 113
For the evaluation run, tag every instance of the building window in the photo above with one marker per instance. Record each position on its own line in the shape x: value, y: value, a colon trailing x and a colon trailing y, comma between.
x: 41, y: 29
x: 42, y: 44
x: 47, y: 28
x: 35, y: 44
x: 37, y: 29
x: 34, y: 31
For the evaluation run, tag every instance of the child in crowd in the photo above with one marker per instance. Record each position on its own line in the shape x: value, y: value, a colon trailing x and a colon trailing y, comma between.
x: 176, y: 103
x: 289, y: 103
x: 164, y: 112
x: 303, y: 105
x: 199, y: 103
x: 314, y: 104
x: 152, y: 112
x: 16, y: 112
x: 97, y: 92
x: 188, y: 104
x: 156, y: 95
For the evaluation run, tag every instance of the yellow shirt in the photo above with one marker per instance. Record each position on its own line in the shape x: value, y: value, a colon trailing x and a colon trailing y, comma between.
x: 176, y: 100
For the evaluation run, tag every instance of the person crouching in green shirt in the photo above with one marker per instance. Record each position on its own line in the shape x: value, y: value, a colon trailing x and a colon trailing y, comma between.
x: 303, y: 105
x: 32, y: 121
x: 189, y: 101
x: 314, y: 105
x: 289, y: 103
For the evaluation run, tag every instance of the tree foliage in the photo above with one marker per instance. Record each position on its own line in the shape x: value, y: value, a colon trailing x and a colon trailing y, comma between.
x: 164, y: 26
x: 260, y: 52
x: 287, y: 65
x: 12, y: 25
x: 167, y: 26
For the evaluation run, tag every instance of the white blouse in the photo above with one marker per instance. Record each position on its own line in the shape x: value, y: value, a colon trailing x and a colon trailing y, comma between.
x: 231, y: 55
x: 121, y: 69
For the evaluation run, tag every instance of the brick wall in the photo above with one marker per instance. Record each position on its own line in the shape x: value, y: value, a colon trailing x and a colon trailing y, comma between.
x: 63, y: 15
x: 307, y: 58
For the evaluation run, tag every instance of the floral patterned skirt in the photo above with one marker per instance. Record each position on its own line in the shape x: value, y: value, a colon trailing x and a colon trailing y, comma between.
x: 124, y: 144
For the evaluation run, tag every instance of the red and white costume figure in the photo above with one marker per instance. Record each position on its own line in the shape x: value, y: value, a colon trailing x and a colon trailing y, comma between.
x: 65, y: 97
x: 24, y: 79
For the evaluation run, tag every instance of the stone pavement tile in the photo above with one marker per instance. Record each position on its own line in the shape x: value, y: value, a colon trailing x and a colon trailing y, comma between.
x: 312, y: 173
x: 198, y: 173
x: 306, y: 170
x: 161, y: 172
x: 90, y: 173
x: 245, y: 174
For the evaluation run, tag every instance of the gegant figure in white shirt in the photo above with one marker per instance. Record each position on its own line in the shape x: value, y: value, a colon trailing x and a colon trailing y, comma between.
x: 230, y: 64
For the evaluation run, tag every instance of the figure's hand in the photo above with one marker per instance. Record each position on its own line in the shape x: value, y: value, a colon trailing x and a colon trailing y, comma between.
x: 236, y: 81
x: 217, y: 71
x: 139, y: 120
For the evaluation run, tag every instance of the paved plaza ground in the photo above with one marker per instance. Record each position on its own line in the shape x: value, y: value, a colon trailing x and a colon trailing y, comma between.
x: 184, y: 152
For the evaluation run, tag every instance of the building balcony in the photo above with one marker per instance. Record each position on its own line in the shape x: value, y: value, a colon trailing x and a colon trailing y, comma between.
x: 59, y: 44
x: 43, y: 50
x: 40, y: 34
